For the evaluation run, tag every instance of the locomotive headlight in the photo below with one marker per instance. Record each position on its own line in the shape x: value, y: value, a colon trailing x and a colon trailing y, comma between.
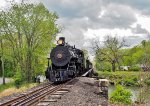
x: 59, y: 55
x: 60, y: 42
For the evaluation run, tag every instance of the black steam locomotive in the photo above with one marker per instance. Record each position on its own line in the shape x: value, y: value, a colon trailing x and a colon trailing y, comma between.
x: 67, y: 62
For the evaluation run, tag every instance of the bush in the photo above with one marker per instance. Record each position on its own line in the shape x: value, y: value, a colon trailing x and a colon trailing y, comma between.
x: 135, y: 68
x: 147, y: 81
x: 132, y: 81
x: 18, y: 79
x: 18, y: 82
x: 128, y: 82
x: 121, y: 77
x: 121, y: 95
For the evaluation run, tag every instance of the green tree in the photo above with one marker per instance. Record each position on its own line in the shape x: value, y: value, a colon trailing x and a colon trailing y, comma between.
x: 133, y: 56
x: 145, y: 57
x: 29, y: 31
x: 110, y: 52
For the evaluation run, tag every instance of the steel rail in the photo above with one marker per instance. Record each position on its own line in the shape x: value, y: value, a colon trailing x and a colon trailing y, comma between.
x: 32, y: 98
x: 8, y: 103
x: 35, y: 99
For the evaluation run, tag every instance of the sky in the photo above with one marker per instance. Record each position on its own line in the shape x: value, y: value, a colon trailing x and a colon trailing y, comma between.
x: 85, y: 20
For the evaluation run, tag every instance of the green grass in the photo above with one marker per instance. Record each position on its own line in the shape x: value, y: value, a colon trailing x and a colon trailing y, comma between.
x: 6, y: 86
x: 10, y: 88
x: 12, y: 85
x: 120, y: 73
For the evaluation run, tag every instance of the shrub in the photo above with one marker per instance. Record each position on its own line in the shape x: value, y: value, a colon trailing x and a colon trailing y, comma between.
x: 18, y: 79
x: 18, y: 82
x: 121, y: 95
x: 121, y: 77
x: 147, y: 81
x: 135, y: 68
x: 131, y: 81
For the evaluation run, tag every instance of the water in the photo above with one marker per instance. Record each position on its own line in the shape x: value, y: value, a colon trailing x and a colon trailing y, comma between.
x: 135, y: 92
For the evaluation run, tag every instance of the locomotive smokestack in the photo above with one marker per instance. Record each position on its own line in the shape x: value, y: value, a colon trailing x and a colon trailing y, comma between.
x: 61, y: 41
x: 62, y: 38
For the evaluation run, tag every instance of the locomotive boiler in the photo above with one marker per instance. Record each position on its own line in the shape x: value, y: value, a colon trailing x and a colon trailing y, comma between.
x: 67, y: 62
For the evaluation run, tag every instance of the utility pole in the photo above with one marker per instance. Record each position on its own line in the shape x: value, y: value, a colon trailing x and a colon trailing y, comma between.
x: 2, y: 61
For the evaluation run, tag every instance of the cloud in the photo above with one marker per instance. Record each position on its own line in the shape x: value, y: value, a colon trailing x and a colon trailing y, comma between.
x: 117, y: 16
x: 134, y: 40
x: 141, y: 5
x: 139, y: 30
x: 100, y: 16
x: 3, y: 3
x: 80, y: 15
x: 76, y: 8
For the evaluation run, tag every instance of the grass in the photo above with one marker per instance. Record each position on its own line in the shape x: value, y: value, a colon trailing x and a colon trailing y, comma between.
x: 120, y: 73
x: 6, y: 86
x: 9, y: 88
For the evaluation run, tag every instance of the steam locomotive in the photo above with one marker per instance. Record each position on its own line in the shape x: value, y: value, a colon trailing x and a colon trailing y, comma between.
x: 67, y: 62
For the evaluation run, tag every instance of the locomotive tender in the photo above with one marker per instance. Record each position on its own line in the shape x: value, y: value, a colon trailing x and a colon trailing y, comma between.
x: 67, y: 62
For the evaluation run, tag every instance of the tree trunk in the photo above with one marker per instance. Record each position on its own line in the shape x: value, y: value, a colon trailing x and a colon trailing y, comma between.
x: 113, y: 67
x: 3, y: 70
x: 2, y: 62
x: 29, y: 66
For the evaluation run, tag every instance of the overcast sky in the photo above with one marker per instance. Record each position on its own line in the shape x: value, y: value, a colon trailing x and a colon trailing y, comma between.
x: 84, y: 19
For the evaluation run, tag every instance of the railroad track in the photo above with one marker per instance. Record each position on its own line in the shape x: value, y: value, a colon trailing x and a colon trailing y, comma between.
x: 34, y: 97
x: 26, y: 94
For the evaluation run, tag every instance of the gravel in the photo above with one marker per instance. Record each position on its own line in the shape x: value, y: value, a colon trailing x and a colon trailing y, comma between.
x: 83, y: 93
x: 6, y: 98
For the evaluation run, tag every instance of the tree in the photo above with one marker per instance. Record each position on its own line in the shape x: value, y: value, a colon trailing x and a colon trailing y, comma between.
x: 145, y: 57
x: 133, y: 56
x: 110, y: 51
x: 29, y: 30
